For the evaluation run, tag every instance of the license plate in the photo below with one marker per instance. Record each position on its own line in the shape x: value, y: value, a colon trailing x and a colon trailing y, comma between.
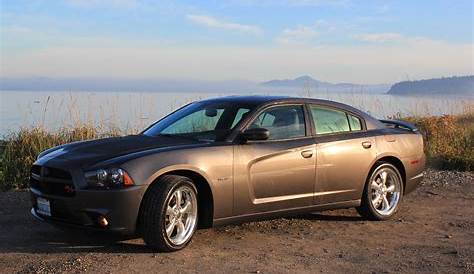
x: 43, y: 206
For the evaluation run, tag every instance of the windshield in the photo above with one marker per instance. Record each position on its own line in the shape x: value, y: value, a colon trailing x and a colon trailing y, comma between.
x: 204, y: 121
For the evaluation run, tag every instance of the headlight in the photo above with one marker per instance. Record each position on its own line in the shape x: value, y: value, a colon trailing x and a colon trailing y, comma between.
x: 108, y: 178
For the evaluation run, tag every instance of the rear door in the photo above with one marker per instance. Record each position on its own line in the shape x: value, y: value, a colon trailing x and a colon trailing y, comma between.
x: 345, y: 151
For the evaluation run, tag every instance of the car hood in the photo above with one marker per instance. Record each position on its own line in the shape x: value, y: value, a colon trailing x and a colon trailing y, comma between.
x: 93, y: 151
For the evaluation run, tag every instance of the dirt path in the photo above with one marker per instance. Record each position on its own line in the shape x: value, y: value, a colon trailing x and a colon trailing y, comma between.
x: 433, y: 232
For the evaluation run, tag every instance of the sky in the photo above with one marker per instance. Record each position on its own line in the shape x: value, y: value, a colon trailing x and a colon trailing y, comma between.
x: 332, y: 40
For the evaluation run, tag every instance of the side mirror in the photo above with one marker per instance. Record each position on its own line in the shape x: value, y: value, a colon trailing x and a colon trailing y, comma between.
x: 256, y: 134
x: 211, y: 112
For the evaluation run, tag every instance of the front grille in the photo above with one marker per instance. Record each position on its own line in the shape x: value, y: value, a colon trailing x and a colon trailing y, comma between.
x: 52, y: 181
x: 36, y: 170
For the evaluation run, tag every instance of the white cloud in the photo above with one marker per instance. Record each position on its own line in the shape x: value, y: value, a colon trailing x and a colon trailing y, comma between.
x: 379, y: 37
x: 289, y: 3
x: 109, y: 3
x: 298, y: 35
x: 318, y: 2
x: 213, y: 22
x: 16, y: 30
x: 302, y: 35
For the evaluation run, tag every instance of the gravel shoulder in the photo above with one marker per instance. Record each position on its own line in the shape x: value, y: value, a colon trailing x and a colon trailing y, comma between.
x: 432, y: 233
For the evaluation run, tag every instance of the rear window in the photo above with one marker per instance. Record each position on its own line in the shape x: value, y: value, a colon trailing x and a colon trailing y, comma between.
x: 329, y: 120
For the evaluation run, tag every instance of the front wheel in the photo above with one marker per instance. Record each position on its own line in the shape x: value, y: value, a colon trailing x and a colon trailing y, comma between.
x: 382, y: 193
x: 169, y: 213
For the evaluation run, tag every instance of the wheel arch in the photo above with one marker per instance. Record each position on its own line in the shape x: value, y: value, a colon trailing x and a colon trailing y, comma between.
x: 395, y: 161
x: 205, y: 194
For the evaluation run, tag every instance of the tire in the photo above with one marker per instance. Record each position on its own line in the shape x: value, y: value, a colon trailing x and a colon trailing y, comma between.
x: 373, y: 205
x: 160, y: 211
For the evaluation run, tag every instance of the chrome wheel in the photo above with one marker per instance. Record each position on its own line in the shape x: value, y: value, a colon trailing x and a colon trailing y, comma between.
x: 385, y: 191
x: 181, y: 215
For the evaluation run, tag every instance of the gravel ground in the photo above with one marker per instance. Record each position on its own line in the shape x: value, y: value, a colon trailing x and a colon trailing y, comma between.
x: 432, y: 233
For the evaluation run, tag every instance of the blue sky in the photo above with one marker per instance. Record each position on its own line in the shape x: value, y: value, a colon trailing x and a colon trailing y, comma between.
x: 339, y: 40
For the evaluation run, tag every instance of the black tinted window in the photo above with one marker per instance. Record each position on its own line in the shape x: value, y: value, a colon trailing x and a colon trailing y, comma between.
x: 283, y: 122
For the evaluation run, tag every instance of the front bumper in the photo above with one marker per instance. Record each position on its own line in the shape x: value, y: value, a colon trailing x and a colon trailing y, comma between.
x: 120, y: 207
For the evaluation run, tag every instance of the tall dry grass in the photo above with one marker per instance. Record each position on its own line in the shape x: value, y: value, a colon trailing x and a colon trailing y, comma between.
x: 449, y: 139
x: 21, y: 149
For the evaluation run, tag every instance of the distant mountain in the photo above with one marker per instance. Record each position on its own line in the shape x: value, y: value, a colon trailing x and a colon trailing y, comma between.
x: 463, y: 85
x: 312, y: 84
x: 298, y: 86
x: 297, y: 82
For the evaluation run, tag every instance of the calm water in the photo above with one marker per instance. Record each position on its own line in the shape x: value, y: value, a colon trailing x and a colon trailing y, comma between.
x: 133, y: 110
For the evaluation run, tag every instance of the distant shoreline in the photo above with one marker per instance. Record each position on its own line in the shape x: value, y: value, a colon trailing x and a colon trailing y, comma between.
x: 230, y: 93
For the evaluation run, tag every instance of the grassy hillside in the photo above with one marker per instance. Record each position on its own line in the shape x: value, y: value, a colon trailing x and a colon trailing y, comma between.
x: 463, y: 85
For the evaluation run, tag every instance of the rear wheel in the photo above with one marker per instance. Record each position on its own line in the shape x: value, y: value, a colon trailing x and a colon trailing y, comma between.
x: 169, y: 213
x: 382, y: 193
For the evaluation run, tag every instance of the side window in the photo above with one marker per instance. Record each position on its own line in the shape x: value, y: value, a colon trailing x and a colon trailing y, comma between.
x: 355, y: 123
x: 283, y: 122
x: 329, y: 120
x: 239, y: 115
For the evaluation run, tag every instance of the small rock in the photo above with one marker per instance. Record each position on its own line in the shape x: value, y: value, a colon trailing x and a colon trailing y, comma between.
x: 452, y: 252
x: 448, y: 236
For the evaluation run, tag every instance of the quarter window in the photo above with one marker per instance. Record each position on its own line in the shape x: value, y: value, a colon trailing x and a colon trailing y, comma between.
x: 283, y: 122
x: 354, y: 122
x: 329, y: 120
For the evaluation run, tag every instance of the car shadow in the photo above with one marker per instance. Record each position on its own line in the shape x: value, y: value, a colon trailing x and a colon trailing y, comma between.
x: 44, y: 238
x: 31, y: 236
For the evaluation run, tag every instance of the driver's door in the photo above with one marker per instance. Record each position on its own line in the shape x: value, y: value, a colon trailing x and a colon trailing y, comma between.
x: 277, y: 173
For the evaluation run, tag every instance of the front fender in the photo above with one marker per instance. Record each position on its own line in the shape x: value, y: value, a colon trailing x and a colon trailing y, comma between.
x: 213, y: 163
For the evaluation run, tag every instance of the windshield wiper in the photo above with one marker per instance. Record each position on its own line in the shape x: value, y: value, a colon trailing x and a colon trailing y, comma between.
x: 176, y: 135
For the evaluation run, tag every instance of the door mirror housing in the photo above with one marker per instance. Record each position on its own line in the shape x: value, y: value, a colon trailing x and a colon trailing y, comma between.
x: 256, y: 134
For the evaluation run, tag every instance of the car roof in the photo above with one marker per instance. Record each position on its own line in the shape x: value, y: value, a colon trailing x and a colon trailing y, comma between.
x: 271, y: 99
x: 253, y: 99
x: 261, y: 100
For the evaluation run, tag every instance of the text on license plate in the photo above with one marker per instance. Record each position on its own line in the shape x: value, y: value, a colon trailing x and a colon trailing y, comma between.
x: 43, y: 206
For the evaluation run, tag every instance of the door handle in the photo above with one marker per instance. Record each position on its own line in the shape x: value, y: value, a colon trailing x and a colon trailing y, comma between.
x: 307, y: 153
x: 366, y: 144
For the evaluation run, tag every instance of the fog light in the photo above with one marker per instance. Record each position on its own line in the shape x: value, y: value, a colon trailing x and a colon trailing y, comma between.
x: 102, y: 221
